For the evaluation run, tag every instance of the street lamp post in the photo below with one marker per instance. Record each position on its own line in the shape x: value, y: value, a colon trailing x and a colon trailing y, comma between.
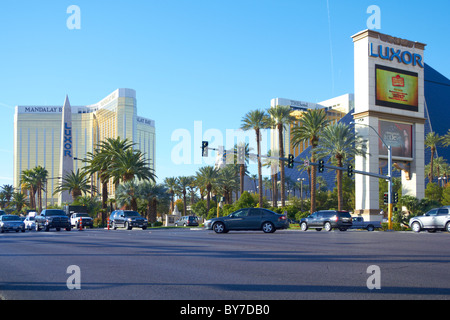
x: 390, y: 204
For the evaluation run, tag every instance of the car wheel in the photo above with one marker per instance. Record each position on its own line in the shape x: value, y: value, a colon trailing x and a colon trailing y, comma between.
x: 370, y: 228
x: 416, y: 227
x: 114, y: 226
x: 304, y: 226
x: 327, y: 226
x: 219, y: 227
x: 127, y: 226
x: 447, y: 227
x: 268, y: 227
x: 36, y: 227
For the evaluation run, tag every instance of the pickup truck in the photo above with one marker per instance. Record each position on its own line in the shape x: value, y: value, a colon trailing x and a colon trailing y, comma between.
x: 86, y: 221
x: 359, y: 223
x: 52, y: 218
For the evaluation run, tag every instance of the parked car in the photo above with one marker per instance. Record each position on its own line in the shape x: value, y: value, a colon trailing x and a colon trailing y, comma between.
x: 328, y: 220
x: 433, y: 220
x: 249, y: 219
x: 360, y: 223
x: 127, y: 219
x: 86, y: 220
x: 9, y: 222
x: 30, y: 222
x: 52, y: 218
x: 187, y: 221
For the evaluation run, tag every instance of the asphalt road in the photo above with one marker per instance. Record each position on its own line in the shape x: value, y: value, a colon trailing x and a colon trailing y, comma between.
x: 185, y: 264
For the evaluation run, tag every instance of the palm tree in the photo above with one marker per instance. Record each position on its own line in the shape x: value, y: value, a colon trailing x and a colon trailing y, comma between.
x: 127, y: 194
x: 8, y: 191
x: 257, y: 120
x: 273, y: 164
x: 28, y: 182
x: 446, y: 139
x: 76, y: 183
x: 41, y: 175
x: 281, y: 119
x: 171, y: 184
x: 432, y: 141
x: 340, y: 142
x: 99, y: 161
x: 182, y: 184
x: 242, y: 166
x: 207, y: 179
x: 153, y: 193
x: 130, y: 164
x: 19, y: 200
x: 310, y: 127
x: 228, y: 181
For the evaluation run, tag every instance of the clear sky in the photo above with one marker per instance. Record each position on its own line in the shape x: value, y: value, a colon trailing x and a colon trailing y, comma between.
x: 198, y: 60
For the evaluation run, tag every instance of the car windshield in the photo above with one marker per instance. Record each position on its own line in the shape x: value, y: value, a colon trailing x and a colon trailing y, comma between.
x: 131, y: 214
x: 345, y: 214
x: 55, y: 213
x: 11, y: 218
x: 82, y: 215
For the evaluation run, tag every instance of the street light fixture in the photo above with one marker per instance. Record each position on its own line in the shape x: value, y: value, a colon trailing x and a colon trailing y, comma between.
x: 390, y: 205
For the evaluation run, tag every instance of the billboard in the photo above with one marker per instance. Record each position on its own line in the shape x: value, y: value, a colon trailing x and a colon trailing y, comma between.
x: 396, y: 88
x: 398, y: 136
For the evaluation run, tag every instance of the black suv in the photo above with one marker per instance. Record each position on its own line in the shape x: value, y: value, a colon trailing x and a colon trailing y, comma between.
x: 328, y: 220
x: 127, y: 219
x: 52, y: 218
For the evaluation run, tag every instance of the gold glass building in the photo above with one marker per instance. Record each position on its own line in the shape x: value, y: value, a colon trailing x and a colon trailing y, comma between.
x: 37, y: 134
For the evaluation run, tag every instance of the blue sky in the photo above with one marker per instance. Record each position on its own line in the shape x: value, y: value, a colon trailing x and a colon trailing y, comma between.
x: 198, y: 60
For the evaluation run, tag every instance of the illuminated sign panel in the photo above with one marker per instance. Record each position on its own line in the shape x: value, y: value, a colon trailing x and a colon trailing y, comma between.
x: 398, y: 136
x: 396, y: 88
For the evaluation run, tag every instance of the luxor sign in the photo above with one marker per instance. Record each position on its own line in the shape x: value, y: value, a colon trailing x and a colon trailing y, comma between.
x: 391, y: 54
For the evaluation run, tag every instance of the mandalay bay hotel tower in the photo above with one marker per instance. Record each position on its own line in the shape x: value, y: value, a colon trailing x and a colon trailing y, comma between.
x: 58, y: 137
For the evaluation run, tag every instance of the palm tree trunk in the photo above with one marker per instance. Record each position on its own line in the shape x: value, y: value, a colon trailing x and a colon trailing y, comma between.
x: 259, y: 169
x: 313, y: 183
x: 184, y: 202
x: 339, y: 183
x: 281, y: 147
x: 433, y: 150
x: 208, y: 198
x: 274, y: 188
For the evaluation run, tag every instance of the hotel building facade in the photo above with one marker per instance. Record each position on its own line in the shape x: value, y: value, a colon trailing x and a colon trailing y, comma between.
x: 38, y: 135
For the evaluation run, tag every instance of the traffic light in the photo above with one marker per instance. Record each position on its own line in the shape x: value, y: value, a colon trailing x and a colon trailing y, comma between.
x: 395, y: 200
x: 291, y: 161
x: 205, y: 148
x: 241, y: 155
x: 321, y: 165
x: 350, y: 171
x: 386, y: 198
